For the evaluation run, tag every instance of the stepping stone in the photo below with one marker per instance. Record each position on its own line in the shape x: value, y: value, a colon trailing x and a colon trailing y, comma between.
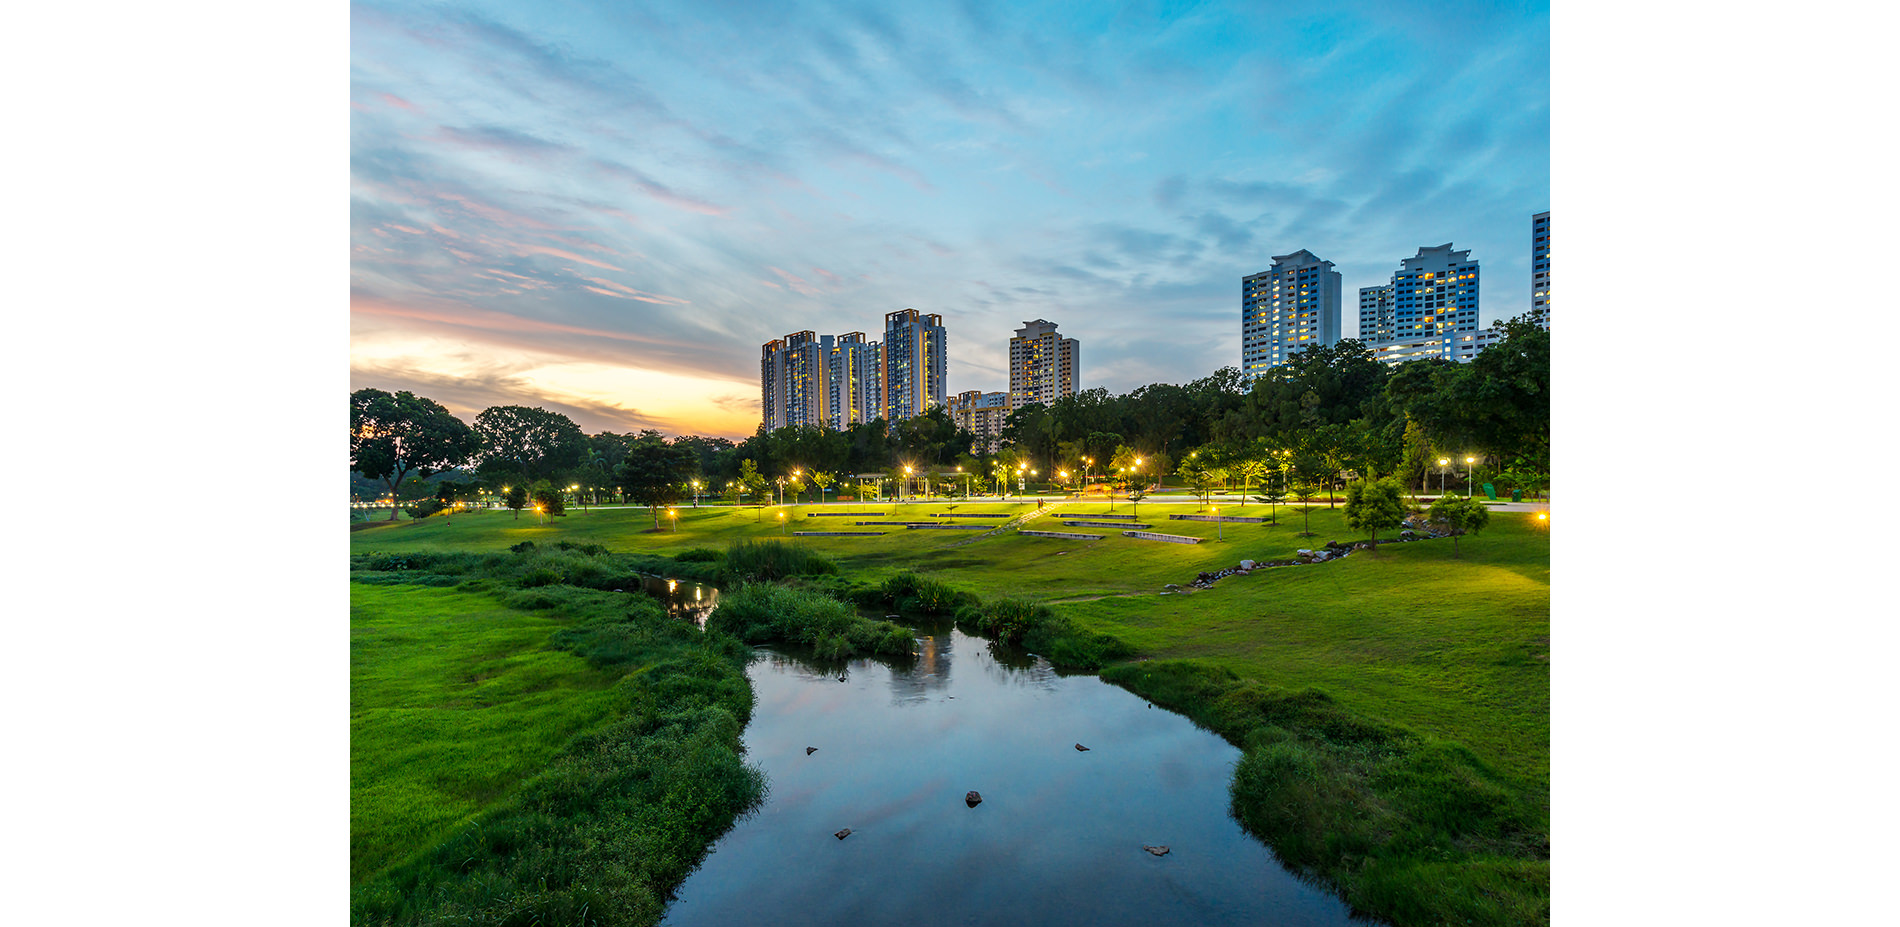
x: 972, y: 799
x: 847, y: 832
x: 1158, y: 851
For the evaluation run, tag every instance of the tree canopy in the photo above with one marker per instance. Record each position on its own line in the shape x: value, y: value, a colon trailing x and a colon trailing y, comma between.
x: 395, y: 436
x: 533, y: 442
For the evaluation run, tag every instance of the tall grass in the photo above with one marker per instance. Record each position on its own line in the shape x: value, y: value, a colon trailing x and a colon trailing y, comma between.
x: 1413, y: 830
x: 764, y: 612
x: 770, y: 561
x: 1037, y: 628
x: 605, y: 831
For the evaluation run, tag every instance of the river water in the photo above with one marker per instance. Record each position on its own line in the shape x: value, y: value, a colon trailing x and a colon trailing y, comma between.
x: 1057, y: 839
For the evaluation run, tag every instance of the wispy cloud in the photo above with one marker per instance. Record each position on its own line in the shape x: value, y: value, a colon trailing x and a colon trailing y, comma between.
x: 666, y: 185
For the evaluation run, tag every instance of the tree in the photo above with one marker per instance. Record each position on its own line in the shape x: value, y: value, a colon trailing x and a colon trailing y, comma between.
x: 1463, y: 514
x: 1305, y: 493
x: 548, y: 501
x: 1374, y: 504
x: 515, y: 497
x: 750, y: 480
x: 401, y: 435
x: 1250, y: 470
x: 823, y: 481
x: 1273, y: 494
x: 654, y: 472
x: 1202, y: 477
x: 534, y: 443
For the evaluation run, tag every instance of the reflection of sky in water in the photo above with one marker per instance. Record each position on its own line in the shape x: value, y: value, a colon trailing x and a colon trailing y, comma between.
x: 1057, y: 840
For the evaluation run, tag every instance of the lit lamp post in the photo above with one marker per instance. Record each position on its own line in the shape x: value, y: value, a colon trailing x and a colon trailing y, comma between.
x: 795, y: 475
x: 1443, y: 462
x: 1087, y: 462
x: 905, y: 489
x: 675, y: 515
x: 695, y: 494
x: 1471, y: 477
x: 1063, y: 475
x: 781, y: 523
x: 1019, y: 478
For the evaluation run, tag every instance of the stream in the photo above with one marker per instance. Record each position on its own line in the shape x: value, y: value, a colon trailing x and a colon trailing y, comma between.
x: 1058, y: 837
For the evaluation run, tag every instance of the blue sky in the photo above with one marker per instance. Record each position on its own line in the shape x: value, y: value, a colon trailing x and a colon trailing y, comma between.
x: 606, y: 210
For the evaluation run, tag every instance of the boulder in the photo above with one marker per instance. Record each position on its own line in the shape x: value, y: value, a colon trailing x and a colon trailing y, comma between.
x: 1158, y: 851
x: 1246, y: 564
x: 972, y: 798
x: 843, y: 833
x: 1081, y: 749
x: 810, y: 750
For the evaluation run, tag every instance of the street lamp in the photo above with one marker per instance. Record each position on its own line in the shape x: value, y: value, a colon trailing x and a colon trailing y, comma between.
x: 906, y: 487
x: 1443, y: 462
x: 781, y: 523
x: 675, y: 515
x: 695, y: 494
x: 1471, y: 476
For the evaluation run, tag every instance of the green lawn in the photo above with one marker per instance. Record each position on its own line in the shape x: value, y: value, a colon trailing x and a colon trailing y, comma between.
x: 454, y: 700
x: 1456, y: 647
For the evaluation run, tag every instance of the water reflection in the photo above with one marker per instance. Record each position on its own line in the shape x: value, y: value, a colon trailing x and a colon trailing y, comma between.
x: 1056, y: 840
x: 682, y: 598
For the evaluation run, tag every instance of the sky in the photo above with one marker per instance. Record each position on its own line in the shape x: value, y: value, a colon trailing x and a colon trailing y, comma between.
x: 605, y: 209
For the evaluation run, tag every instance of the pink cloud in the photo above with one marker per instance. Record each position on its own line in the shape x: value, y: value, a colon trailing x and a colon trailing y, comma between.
x: 525, y: 250
x: 797, y: 283
x: 400, y: 103
x: 489, y: 320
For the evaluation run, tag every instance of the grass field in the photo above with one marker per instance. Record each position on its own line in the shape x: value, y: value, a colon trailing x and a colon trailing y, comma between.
x: 454, y: 700
x: 1445, y: 657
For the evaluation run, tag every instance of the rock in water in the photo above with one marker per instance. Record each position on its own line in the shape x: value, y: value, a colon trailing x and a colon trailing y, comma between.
x: 1158, y: 851
x: 1081, y: 749
x: 847, y: 832
x: 973, y: 799
x: 810, y: 750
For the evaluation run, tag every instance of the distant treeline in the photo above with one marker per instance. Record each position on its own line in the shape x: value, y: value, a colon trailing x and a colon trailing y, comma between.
x: 1330, y: 413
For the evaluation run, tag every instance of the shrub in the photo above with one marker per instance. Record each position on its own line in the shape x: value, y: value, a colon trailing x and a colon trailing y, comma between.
x: 522, y: 547
x: 770, y: 561
x: 592, y: 550
x: 425, y: 508
x: 700, y: 555
x: 764, y: 612
x: 915, y: 594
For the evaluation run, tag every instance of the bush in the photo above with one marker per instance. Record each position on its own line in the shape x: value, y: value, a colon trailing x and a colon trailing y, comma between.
x: 771, y: 561
x: 763, y: 612
x: 911, y: 593
x: 522, y: 547
x: 592, y: 550
x: 425, y: 508
x: 700, y: 555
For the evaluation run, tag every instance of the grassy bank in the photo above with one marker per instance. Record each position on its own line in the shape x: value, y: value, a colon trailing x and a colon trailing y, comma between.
x: 1414, y: 775
x: 527, y: 750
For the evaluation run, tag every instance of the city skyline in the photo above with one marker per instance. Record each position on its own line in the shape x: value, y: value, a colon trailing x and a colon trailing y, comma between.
x: 606, y: 213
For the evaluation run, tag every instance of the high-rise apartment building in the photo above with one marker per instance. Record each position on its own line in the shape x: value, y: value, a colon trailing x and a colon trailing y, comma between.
x: 1377, y: 323
x: 915, y: 352
x: 1540, y: 269
x: 1432, y: 299
x: 854, y: 382
x: 981, y: 414
x: 1043, y: 366
x: 1286, y: 308
x: 794, y: 375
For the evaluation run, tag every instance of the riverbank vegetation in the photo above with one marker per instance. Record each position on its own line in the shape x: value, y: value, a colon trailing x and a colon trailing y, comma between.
x: 1445, y: 658
x: 529, y: 748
